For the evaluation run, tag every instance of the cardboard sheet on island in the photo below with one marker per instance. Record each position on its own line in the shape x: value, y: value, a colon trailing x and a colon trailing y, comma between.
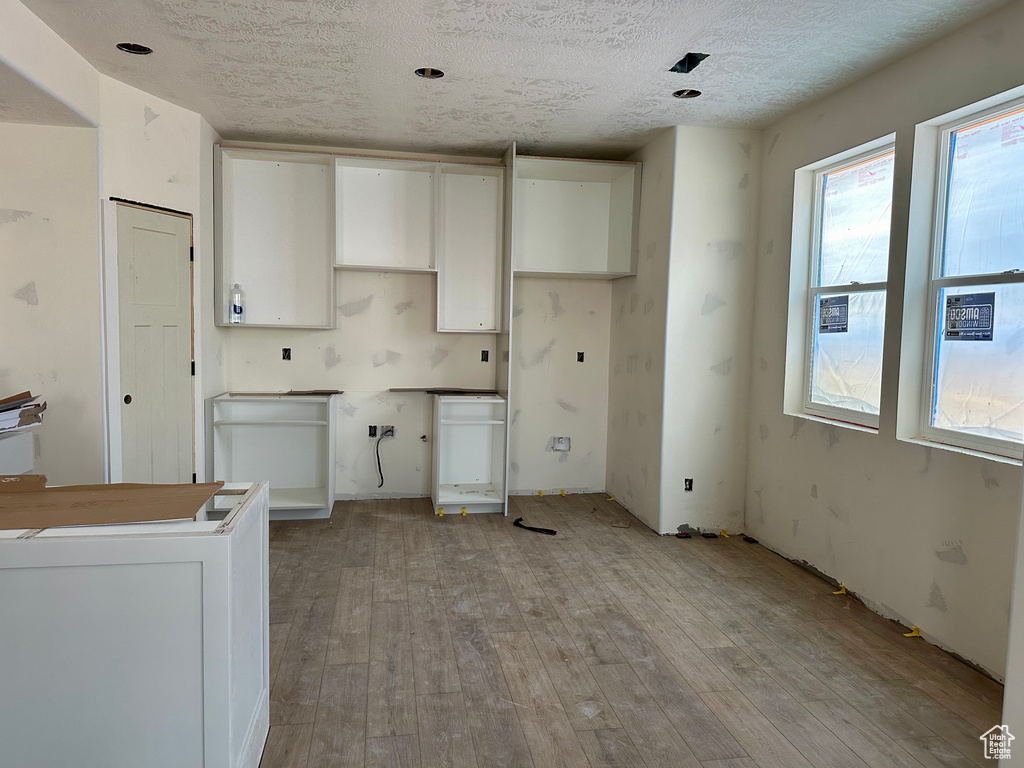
x: 26, y: 502
x: 289, y: 393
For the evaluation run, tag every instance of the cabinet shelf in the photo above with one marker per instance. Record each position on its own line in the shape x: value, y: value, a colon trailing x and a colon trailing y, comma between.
x: 452, y: 422
x: 467, y: 493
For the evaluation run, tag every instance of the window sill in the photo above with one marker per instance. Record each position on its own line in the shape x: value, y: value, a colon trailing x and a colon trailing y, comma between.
x: 833, y: 422
x: 996, y: 457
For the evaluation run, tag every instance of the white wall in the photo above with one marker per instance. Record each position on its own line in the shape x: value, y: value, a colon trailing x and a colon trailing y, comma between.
x: 707, y: 361
x: 552, y: 394
x: 637, y: 355
x: 1013, y: 694
x: 49, y: 307
x: 922, y: 534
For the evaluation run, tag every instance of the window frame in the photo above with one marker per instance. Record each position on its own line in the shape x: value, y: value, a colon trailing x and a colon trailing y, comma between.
x: 815, y: 291
x: 937, y: 283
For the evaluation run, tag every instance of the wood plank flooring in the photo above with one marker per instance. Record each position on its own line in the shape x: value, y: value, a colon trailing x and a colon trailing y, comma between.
x: 402, y: 639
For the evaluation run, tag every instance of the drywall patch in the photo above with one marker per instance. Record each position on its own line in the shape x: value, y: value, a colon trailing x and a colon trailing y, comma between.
x: 173, y: 179
x: 990, y: 480
x: 648, y: 305
x: 829, y: 436
x: 764, y: 432
x: 745, y: 146
x: 634, y: 300
x: 770, y: 248
x: 649, y: 363
x: 723, y: 368
x: 384, y: 357
x: 953, y: 553
x: 356, y: 307
x: 149, y: 115
x: 538, y: 357
x: 517, y: 311
x: 840, y: 514
x: 437, y: 357
x: 641, y: 418
x: 556, y: 304
x: 727, y: 250
x: 27, y: 293
x: 711, y: 303
x: 566, y: 406
x: 814, y: 490
x: 12, y: 215
x: 935, y: 598
x: 515, y: 416
x: 773, y: 142
x: 745, y: 181
x: 514, y: 466
x: 927, y: 461
x: 331, y: 358
x: 760, y: 505
x: 796, y: 527
x: 631, y: 362
x: 349, y: 410
x: 402, y: 306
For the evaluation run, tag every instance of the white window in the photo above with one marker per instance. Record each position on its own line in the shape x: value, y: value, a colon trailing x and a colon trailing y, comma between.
x: 974, y: 377
x: 849, y: 262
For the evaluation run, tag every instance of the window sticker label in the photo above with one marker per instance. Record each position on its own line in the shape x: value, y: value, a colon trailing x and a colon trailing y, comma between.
x: 969, y: 317
x: 833, y: 314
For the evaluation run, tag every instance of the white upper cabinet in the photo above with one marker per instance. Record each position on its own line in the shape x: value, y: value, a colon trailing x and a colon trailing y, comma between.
x: 275, y: 219
x: 469, y: 247
x: 576, y: 218
x: 385, y: 214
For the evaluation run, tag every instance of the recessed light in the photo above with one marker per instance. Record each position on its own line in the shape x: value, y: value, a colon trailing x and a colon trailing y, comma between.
x: 686, y: 93
x: 136, y: 48
x: 430, y: 73
x: 689, y: 62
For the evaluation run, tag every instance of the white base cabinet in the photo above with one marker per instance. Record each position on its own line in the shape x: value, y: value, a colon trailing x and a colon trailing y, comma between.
x: 469, y: 466
x: 137, y: 645
x: 286, y: 440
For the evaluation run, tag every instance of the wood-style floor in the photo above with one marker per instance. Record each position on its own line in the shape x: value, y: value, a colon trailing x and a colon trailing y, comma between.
x: 403, y: 639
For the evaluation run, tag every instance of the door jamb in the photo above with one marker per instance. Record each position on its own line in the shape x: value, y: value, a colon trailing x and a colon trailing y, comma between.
x: 111, y: 335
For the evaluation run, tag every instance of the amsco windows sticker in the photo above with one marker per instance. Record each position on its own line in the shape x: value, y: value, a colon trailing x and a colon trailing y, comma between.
x: 970, y: 317
x: 833, y: 314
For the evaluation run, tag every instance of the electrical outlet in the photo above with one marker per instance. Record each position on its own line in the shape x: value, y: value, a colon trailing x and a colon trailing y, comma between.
x: 286, y: 353
x: 579, y: 357
x: 373, y: 430
x: 688, y: 484
x: 388, y: 431
x: 484, y: 355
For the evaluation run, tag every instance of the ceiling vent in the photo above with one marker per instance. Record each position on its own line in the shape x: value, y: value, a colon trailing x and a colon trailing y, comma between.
x: 689, y: 62
x: 430, y: 73
x: 686, y: 93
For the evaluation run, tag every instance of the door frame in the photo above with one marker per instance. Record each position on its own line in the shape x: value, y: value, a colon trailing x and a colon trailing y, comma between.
x: 113, y: 469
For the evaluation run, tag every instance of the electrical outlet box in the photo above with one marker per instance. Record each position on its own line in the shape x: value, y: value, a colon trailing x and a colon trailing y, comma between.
x: 579, y: 357
x: 286, y: 353
x: 373, y: 430
x: 484, y: 355
x: 561, y: 443
x: 388, y: 431
x: 688, y: 484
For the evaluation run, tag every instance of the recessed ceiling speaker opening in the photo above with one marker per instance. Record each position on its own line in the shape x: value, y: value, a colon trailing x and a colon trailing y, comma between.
x: 430, y: 73
x: 686, y: 93
x: 689, y: 62
x: 136, y: 48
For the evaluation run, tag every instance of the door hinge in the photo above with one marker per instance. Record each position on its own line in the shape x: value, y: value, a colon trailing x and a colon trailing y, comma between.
x: 193, y: 477
x: 191, y: 253
x: 193, y: 367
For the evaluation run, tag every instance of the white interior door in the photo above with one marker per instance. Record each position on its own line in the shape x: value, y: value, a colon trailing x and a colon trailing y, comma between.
x: 155, y: 344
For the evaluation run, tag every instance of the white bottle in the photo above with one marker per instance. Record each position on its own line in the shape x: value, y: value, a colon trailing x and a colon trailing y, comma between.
x: 237, y: 304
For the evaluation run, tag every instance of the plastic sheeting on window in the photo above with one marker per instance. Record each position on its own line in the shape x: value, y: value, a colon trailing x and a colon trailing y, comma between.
x: 985, y: 208
x: 979, y: 385
x: 855, y: 212
x: 846, y: 368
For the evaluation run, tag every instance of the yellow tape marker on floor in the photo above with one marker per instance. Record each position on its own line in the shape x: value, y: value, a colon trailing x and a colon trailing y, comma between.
x: 463, y: 511
x: 540, y: 493
x: 440, y: 511
x: 841, y: 590
x: 563, y: 491
x: 611, y: 498
x: 724, y: 534
x: 914, y: 632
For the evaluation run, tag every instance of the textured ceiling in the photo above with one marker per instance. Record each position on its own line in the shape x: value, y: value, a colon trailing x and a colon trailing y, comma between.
x: 560, y: 76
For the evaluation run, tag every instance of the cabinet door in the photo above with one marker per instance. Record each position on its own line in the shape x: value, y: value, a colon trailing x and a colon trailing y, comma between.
x: 469, y: 248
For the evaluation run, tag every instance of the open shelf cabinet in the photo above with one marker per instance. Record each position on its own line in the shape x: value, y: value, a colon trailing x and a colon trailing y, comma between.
x: 285, y: 440
x: 469, y: 454
x: 576, y: 218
